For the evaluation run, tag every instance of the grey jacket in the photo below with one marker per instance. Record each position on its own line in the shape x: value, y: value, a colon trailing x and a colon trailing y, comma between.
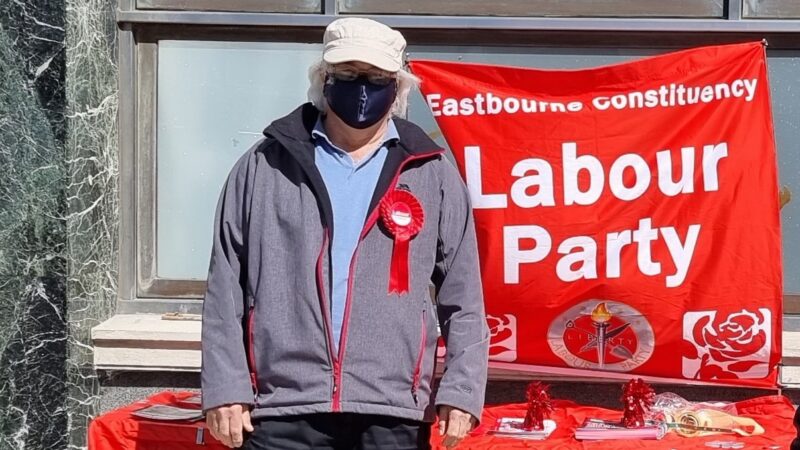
x: 266, y: 335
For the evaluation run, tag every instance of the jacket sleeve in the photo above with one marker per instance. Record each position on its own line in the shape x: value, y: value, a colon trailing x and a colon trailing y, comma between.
x: 224, y: 373
x: 460, y: 301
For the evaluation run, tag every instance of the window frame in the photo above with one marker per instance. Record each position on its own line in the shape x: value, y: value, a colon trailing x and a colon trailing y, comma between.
x: 139, y: 287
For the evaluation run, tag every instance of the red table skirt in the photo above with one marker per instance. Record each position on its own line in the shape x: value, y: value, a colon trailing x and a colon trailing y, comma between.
x: 119, y: 430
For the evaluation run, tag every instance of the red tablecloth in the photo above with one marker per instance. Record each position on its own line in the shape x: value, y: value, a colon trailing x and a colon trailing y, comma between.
x: 119, y: 430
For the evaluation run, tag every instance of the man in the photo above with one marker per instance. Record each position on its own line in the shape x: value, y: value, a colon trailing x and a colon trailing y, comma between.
x: 319, y: 330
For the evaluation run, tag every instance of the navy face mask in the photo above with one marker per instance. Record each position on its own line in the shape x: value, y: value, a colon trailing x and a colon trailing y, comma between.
x: 359, y: 103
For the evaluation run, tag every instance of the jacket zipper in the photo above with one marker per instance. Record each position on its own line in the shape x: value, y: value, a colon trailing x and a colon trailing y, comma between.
x: 373, y: 217
x: 251, y: 354
x: 326, y: 312
x: 420, y: 359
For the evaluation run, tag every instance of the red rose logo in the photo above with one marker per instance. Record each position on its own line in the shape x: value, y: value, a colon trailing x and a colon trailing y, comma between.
x: 735, y: 338
x: 502, y: 337
x: 727, y: 347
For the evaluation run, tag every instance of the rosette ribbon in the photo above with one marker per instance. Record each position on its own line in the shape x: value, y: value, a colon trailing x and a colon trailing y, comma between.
x: 402, y: 215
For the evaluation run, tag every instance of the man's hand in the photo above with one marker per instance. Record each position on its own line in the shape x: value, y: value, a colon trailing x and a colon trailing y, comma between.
x: 454, y: 425
x: 226, y: 423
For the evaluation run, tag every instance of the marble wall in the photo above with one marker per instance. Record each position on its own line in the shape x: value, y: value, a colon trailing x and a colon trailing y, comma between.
x: 92, y: 200
x: 58, y: 201
x: 33, y: 329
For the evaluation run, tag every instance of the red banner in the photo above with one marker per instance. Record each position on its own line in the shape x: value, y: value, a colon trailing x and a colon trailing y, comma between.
x: 627, y: 216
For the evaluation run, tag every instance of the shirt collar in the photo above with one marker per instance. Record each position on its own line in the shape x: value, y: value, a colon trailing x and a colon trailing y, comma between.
x: 319, y: 132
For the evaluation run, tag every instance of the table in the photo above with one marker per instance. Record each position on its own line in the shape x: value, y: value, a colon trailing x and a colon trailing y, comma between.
x: 119, y: 430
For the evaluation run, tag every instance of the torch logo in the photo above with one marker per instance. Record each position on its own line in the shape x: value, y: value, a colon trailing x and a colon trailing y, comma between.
x: 601, y: 319
x: 603, y: 335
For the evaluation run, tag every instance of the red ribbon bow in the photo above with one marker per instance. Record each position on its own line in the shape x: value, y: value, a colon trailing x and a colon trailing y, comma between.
x: 402, y: 215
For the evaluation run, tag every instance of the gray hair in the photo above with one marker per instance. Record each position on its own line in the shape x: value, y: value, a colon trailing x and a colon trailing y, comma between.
x: 406, y: 82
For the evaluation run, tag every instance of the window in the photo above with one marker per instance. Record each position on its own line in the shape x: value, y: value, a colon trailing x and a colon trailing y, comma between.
x: 214, y: 100
x: 202, y: 104
x: 541, y: 8
x: 771, y: 9
x: 276, y: 6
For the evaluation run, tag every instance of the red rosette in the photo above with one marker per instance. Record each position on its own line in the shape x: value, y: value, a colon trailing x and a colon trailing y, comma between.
x: 402, y: 215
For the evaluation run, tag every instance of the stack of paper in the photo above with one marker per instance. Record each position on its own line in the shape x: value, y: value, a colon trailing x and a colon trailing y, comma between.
x: 167, y: 412
x: 512, y: 427
x: 595, y: 429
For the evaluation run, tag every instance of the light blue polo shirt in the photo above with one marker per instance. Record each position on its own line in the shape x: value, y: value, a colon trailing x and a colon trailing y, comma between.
x: 350, y: 187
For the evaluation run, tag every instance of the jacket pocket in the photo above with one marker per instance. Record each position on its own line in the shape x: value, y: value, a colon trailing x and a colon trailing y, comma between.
x: 420, y: 359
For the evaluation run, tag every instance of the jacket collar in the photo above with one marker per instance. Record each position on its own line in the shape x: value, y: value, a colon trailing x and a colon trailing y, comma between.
x: 294, y: 133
